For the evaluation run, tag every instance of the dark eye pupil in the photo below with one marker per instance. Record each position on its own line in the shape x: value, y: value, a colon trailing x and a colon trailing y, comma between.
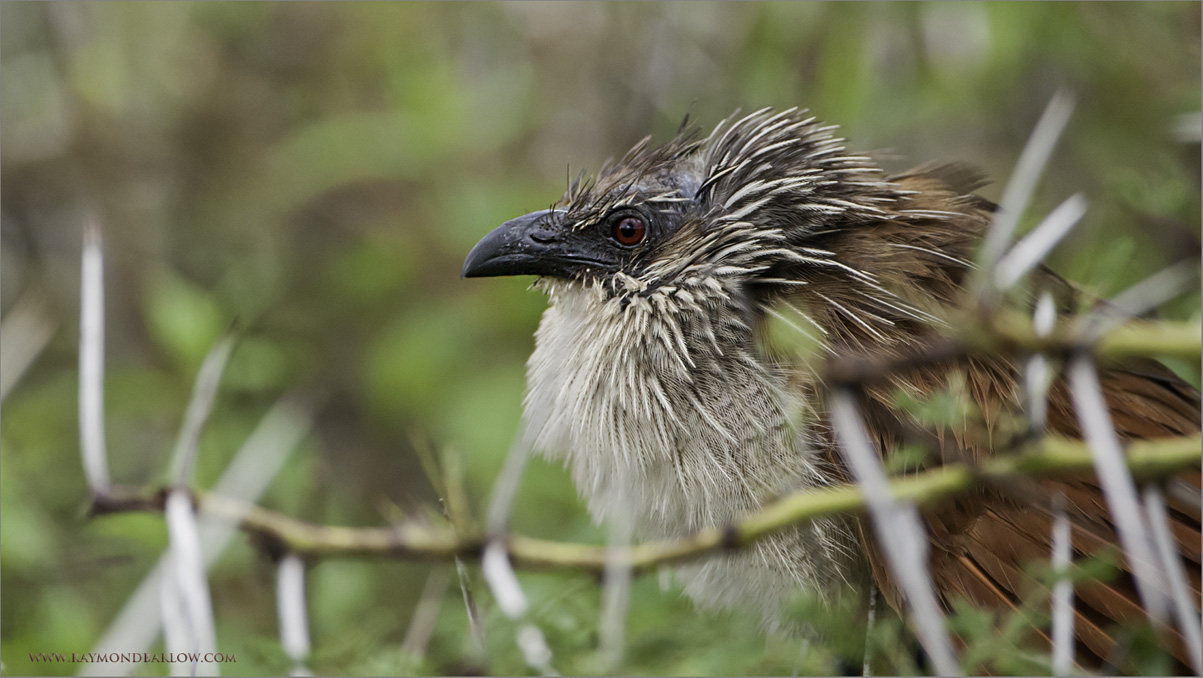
x: 629, y: 231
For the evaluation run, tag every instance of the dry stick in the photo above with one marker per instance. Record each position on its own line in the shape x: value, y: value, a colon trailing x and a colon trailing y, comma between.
x: 187, y: 608
x: 475, y: 626
x: 1037, y: 375
x: 1037, y: 379
x: 495, y: 562
x: 1138, y: 299
x: 899, y: 531
x: 291, y: 611
x: 449, y: 485
x: 1030, y: 252
x: 255, y: 464
x: 24, y: 333
x: 91, y: 360
x: 1118, y: 485
x: 187, y: 556
x: 1049, y: 457
x: 1167, y: 550
x: 1018, y: 192
x: 870, y: 622
x: 176, y: 632
x: 426, y: 613
x: 186, y: 573
x: 1010, y: 331
x: 200, y: 404
x: 1062, y: 596
x: 616, y: 588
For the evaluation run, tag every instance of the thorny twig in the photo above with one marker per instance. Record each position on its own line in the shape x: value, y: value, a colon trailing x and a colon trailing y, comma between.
x: 899, y: 531
x: 1050, y: 456
x: 91, y: 360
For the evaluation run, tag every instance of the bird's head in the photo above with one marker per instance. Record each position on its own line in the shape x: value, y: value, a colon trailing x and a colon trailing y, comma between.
x: 741, y: 209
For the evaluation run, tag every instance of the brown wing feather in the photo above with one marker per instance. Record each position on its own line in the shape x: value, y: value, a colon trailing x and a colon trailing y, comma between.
x: 980, y: 544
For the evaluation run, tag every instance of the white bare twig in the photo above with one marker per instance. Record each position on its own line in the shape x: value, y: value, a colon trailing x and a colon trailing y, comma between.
x: 187, y: 576
x: 899, y: 531
x: 255, y: 464
x: 505, y: 488
x: 91, y: 360
x: 1023, y: 181
x: 199, y: 406
x: 495, y: 562
x: 1180, y: 593
x: 1037, y: 375
x: 177, y: 632
x: 495, y: 565
x: 1031, y: 250
x: 535, y: 649
x: 475, y: 627
x: 1063, y: 591
x: 1037, y: 378
x: 24, y: 332
x: 292, y: 612
x: 426, y: 613
x: 1118, y: 485
x: 1140, y: 298
x: 616, y: 589
x: 503, y: 582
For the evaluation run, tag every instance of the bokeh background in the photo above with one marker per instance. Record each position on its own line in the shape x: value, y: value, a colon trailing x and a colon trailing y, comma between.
x: 315, y: 174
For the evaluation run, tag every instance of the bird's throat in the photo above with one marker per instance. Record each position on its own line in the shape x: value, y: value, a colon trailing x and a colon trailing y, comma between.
x: 663, y: 416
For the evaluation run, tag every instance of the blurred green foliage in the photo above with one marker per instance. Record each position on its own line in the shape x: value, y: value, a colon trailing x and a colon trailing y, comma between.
x: 313, y: 174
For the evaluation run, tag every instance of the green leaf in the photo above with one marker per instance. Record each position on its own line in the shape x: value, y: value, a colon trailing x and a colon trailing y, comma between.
x: 184, y: 320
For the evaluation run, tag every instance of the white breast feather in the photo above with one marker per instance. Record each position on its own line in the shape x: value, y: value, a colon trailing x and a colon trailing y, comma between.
x: 630, y: 397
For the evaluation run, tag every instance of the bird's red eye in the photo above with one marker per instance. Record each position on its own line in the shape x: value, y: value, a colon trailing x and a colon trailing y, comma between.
x: 630, y: 231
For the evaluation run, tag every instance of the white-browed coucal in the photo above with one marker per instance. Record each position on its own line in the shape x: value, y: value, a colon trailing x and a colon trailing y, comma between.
x: 653, y: 380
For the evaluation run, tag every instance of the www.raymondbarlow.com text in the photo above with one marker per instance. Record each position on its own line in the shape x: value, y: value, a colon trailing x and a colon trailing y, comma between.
x: 133, y: 657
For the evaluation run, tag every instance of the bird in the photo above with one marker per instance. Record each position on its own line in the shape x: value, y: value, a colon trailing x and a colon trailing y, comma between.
x: 656, y: 381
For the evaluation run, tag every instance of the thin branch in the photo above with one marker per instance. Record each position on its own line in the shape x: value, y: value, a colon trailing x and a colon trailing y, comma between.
x: 870, y: 624
x: 1037, y: 374
x: 1119, y: 489
x: 199, y: 406
x: 616, y: 589
x: 1183, y: 600
x: 426, y: 613
x: 449, y: 483
x: 291, y: 610
x: 91, y: 360
x: 1142, y: 297
x: 1051, y: 456
x: 503, y: 582
x: 899, y: 531
x: 24, y: 332
x: 1024, y: 178
x: 495, y: 563
x: 1063, y: 591
x: 1029, y: 252
x: 505, y: 488
x: 187, y: 577
x: 254, y: 466
x: 1003, y: 331
x: 475, y: 626
x: 177, y: 634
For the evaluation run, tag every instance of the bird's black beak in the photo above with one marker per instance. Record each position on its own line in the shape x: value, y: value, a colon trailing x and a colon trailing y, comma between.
x: 532, y: 244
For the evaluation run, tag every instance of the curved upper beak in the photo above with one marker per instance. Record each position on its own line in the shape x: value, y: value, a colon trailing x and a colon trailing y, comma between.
x: 528, y: 245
